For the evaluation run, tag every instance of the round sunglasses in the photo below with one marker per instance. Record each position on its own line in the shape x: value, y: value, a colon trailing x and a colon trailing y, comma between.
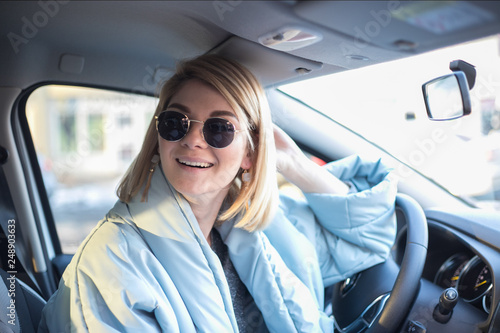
x: 217, y: 132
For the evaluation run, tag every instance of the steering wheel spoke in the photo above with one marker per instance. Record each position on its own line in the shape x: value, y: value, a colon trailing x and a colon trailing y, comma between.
x: 367, y: 317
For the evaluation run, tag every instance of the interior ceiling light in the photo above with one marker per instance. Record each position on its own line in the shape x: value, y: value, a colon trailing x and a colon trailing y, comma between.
x: 289, y: 39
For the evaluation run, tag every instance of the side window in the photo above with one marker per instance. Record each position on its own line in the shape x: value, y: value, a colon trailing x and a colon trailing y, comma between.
x: 85, y: 139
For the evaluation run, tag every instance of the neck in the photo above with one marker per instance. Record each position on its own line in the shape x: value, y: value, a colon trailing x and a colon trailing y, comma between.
x: 206, y: 212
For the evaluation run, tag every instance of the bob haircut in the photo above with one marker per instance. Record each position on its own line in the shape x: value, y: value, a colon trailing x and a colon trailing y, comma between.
x: 254, y: 201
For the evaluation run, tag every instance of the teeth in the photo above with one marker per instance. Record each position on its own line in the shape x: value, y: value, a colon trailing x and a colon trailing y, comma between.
x: 196, y: 164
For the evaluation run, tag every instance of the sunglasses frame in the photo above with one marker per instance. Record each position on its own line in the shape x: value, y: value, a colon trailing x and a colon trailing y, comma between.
x: 189, y: 121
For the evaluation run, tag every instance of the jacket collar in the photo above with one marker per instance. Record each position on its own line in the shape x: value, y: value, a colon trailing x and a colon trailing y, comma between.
x: 169, y: 227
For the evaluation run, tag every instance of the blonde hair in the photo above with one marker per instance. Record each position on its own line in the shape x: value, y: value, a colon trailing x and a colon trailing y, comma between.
x: 254, y: 201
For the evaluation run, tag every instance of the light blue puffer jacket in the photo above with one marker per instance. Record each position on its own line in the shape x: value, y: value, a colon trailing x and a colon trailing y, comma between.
x: 147, y: 267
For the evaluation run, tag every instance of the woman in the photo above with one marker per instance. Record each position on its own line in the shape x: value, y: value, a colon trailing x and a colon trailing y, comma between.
x: 200, y: 241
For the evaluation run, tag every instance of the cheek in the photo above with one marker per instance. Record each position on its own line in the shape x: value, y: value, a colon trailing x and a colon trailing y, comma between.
x: 234, y: 158
x: 164, y: 148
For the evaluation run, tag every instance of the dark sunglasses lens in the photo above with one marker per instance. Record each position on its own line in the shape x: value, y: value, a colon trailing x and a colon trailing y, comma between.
x: 219, y: 133
x: 172, y: 125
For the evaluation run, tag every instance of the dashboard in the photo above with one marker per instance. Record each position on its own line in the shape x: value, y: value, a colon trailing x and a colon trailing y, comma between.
x: 471, y: 276
x: 463, y: 253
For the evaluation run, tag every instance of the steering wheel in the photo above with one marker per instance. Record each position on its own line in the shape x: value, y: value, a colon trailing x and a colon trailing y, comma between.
x: 378, y: 299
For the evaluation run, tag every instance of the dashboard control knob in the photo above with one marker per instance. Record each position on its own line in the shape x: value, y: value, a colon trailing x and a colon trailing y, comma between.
x: 444, y: 309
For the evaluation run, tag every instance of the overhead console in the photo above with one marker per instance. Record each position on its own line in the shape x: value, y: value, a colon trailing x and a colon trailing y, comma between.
x: 408, y: 26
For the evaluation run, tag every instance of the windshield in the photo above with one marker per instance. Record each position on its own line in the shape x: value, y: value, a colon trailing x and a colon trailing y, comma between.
x: 384, y: 104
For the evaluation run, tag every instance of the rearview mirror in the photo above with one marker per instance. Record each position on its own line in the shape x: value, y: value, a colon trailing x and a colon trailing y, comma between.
x: 447, y: 97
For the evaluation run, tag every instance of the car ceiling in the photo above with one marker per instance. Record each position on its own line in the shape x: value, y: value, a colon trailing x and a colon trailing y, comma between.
x: 131, y: 45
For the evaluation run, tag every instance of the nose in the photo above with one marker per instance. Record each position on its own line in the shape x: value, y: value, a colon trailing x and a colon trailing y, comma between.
x: 194, y: 137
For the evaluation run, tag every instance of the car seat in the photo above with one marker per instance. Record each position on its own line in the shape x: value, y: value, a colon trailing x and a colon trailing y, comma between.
x: 21, y: 307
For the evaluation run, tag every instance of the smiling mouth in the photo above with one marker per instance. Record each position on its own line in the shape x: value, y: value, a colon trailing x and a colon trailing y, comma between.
x: 201, y: 165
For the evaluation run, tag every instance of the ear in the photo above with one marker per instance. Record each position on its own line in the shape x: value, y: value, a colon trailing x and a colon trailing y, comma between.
x: 246, y: 163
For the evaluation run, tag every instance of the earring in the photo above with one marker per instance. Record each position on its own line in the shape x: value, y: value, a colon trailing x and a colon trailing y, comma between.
x: 246, y: 176
x: 154, y: 162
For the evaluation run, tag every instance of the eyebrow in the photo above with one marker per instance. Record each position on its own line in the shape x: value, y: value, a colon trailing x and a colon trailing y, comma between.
x: 215, y: 113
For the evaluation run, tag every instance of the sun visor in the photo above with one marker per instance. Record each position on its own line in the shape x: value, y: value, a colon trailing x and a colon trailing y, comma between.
x: 272, y: 67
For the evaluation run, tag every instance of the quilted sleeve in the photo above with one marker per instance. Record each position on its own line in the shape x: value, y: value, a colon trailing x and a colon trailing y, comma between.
x: 349, y: 232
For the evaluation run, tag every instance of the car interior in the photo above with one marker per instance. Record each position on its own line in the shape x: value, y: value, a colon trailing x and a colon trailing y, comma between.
x: 78, y: 85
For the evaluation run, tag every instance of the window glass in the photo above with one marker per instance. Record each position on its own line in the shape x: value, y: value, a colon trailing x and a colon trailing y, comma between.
x: 85, y: 140
x: 384, y: 104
